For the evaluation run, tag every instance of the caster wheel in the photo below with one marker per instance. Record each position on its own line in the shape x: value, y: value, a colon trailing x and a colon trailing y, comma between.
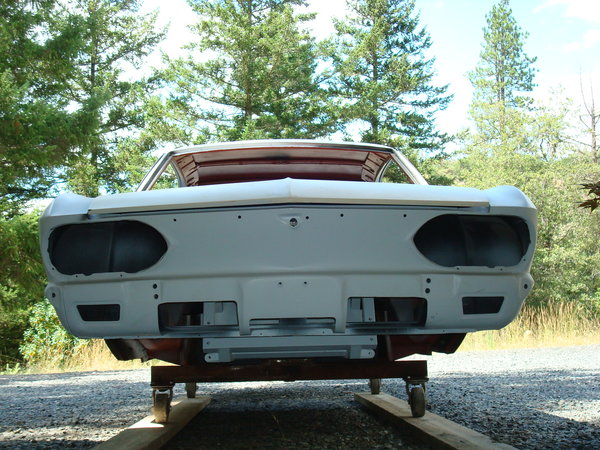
x: 161, y: 406
x: 416, y: 400
x: 190, y: 390
x: 375, y: 385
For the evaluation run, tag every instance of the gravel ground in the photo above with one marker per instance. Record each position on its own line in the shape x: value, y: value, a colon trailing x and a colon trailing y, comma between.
x: 532, y: 398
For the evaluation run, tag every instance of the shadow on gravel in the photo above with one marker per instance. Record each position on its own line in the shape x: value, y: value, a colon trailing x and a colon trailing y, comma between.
x: 534, y: 409
x: 300, y: 428
x: 287, y: 415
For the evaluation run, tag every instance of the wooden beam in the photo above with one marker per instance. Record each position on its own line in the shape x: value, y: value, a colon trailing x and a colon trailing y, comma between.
x: 288, y: 370
x: 431, y: 428
x: 148, y: 435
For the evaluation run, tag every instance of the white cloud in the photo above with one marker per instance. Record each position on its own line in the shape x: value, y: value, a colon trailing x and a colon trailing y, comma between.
x: 588, y: 10
x: 588, y: 40
x: 582, y: 10
x: 571, y: 84
x: 179, y: 15
x: 591, y: 38
x: 571, y: 47
x: 322, y: 26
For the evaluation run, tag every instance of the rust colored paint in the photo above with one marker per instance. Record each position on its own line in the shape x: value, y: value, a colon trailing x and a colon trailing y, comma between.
x: 188, y: 351
x: 400, y: 346
x: 243, y: 165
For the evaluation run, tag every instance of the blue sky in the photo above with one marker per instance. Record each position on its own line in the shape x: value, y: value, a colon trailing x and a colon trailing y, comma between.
x: 563, y: 34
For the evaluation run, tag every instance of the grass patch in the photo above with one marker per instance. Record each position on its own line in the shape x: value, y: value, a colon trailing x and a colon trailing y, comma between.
x: 556, y: 324
x: 91, y: 355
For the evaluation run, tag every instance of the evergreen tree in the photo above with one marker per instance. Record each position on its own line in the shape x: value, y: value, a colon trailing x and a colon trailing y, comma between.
x: 250, y: 74
x: 382, y: 78
x: 36, y: 129
x: 502, y: 78
x: 504, y: 70
x: 113, y: 36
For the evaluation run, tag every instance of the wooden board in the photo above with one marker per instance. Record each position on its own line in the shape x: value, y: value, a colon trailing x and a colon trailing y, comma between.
x: 431, y: 428
x: 148, y: 435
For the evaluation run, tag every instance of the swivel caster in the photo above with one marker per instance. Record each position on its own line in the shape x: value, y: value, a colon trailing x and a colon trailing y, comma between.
x: 190, y: 389
x: 161, y: 404
x: 416, y: 399
x: 375, y: 385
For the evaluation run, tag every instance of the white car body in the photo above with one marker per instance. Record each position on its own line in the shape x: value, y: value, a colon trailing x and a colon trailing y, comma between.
x: 292, y: 263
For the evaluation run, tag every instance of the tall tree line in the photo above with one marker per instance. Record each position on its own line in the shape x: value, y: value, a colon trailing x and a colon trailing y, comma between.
x: 255, y: 72
x: 73, y: 117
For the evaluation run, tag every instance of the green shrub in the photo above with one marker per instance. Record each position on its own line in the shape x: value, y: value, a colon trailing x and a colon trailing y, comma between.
x: 45, y: 341
x: 12, y: 327
x: 22, y: 281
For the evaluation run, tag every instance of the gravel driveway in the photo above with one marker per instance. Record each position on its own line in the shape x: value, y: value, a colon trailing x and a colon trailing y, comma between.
x: 532, y: 398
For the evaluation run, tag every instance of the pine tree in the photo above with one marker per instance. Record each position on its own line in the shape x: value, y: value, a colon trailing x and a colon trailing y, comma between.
x: 36, y: 128
x: 504, y: 71
x: 502, y: 79
x: 382, y: 78
x: 250, y: 74
x: 108, y: 103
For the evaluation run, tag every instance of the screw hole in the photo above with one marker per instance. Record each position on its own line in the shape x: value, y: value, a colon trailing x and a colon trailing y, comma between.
x: 155, y: 296
x: 428, y: 280
x: 174, y: 220
x: 154, y: 286
x: 341, y: 215
x: 53, y: 295
x: 239, y: 217
x: 526, y: 286
x: 427, y: 291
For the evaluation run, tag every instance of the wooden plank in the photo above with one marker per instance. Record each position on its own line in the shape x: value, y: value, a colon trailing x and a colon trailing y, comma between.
x: 148, y: 435
x: 431, y: 428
